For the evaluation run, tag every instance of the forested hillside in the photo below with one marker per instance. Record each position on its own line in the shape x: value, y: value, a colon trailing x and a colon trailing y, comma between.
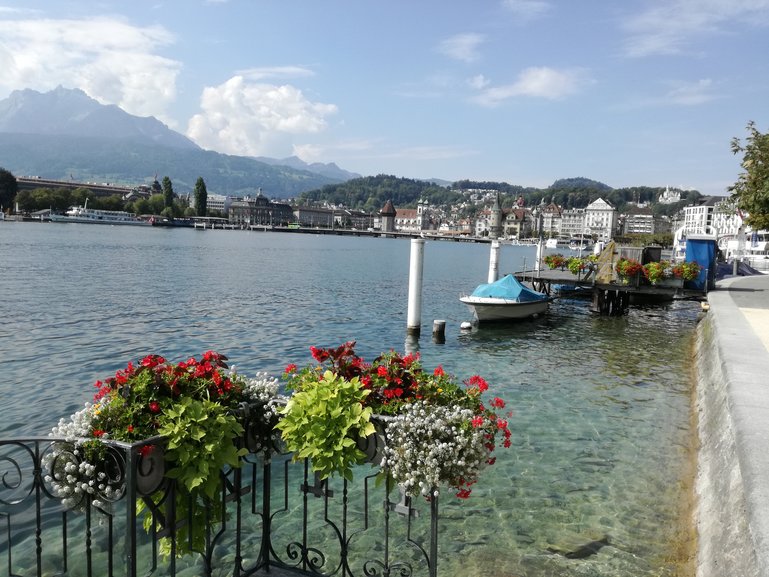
x: 370, y: 193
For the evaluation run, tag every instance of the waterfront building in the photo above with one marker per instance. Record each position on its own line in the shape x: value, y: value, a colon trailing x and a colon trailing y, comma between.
x: 638, y: 220
x: 387, y: 215
x: 314, y: 217
x: 259, y: 211
x: 495, y: 218
x: 413, y: 219
x: 551, y: 219
x: 218, y: 202
x: 517, y: 223
x: 572, y: 222
x: 600, y: 220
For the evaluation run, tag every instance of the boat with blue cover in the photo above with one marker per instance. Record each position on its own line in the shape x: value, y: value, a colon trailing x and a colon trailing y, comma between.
x: 504, y: 300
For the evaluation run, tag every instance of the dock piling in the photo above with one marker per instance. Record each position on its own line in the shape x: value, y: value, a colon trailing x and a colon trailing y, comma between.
x: 414, y: 321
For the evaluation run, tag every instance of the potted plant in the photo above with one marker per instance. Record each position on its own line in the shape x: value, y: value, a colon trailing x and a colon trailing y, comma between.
x: 555, y: 261
x: 627, y: 268
x: 657, y: 271
x: 687, y: 271
x: 434, y: 430
x: 185, y: 420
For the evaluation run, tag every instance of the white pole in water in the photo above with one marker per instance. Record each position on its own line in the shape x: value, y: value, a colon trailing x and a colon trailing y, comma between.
x: 414, y: 322
x: 494, y: 262
x: 539, y: 255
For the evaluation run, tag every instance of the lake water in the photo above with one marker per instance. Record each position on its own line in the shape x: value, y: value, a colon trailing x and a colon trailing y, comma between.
x: 601, y: 405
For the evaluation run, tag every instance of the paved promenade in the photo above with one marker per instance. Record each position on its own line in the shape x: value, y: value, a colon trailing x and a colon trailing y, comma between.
x: 733, y: 411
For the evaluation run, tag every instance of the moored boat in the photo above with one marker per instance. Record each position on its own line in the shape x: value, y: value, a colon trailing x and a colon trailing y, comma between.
x: 504, y: 300
x: 83, y: 214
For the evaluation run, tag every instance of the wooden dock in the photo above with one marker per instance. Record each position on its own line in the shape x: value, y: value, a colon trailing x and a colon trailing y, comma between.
x: 608, y: 298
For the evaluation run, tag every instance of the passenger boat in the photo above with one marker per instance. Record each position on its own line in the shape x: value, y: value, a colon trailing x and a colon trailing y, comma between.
x: 504, y: 300
x: 580, y: 243
x: 83, y: 214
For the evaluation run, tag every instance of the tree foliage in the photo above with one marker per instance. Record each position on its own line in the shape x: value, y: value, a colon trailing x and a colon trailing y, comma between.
x: 168, y: 192
x: 201, y: 197
x: 751, y: 191
x: 8, y: 188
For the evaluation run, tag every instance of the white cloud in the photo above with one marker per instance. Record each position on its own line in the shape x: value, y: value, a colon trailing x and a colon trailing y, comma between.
x: 462, y: 47
x: 537, y: 82
x: 255, y: 119
x: 527, y: 9
x: 669, y: 26
x: 478, y: 82
x: 690, y: 94
x: 112, y: 61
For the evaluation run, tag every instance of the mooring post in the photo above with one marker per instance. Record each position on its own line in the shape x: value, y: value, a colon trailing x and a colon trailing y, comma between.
x: 439, y: 331
x: 494, y: 262
x: 414, y: 321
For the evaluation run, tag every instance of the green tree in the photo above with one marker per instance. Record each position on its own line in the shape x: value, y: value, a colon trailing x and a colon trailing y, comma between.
x: 8, y: 188
x: 751, y: 191
x: 168, y: 192
x: 201, y: 197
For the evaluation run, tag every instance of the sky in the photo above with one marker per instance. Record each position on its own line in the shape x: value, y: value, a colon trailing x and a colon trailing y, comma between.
x: 626, y: 92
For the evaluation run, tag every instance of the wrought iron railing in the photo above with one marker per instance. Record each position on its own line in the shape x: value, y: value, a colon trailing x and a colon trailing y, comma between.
x: 271, y: 515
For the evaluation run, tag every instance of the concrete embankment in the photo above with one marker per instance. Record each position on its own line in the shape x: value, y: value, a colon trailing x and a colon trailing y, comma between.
x: 733, y: 412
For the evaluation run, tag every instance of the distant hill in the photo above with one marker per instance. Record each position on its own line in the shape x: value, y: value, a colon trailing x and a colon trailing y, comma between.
x: 330, y: 169
x: 65, y: 134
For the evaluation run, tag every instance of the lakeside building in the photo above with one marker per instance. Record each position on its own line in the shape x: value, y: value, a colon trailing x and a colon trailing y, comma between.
x: 413, y: 219
x: 638, y: 220
x: 259, y: 211
x: 600, y: 220
x: 572, y: 222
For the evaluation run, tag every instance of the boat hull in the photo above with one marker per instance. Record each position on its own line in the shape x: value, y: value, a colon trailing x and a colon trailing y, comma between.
x: 87, y: 220
x: 488, y: 309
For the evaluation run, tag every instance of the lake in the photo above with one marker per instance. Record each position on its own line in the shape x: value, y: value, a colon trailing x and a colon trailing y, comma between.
x: 601, y: 432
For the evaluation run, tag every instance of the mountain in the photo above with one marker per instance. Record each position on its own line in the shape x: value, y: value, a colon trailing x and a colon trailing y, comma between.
x: 65, y: 134
x: 330, y: 169
x: 63, y: 111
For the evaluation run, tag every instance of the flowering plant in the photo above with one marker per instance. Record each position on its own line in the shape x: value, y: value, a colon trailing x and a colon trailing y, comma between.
x: 555, y: 260
x: 186, y: 419
x: 656, y: 271
x: 687, y: 270
x: 628, y: 267
x: 440, y: 431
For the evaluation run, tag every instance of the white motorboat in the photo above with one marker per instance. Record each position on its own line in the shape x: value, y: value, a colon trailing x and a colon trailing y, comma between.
x: 83, y: 214
x: 504, y: 300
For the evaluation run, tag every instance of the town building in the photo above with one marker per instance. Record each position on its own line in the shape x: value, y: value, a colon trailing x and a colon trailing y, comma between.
x: 600, y: 220
x: 259, y: 211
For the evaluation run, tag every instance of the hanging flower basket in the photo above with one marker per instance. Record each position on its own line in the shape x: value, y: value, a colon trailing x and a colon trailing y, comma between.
x: 183, y: 423
x: 376, y: 411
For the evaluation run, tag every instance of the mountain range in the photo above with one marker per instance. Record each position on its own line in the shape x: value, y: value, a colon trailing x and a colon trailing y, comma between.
x: 64, y: 134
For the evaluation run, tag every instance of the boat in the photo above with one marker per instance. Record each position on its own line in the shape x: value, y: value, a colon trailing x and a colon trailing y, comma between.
x: 83, y: 214
x: 580, y: 243
x: 504, y: 300
x: 557, y: 242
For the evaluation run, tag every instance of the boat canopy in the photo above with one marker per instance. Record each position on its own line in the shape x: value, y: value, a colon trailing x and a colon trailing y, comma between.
x: 508, y: 288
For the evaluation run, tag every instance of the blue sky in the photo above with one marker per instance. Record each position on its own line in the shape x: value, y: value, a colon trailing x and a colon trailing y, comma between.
x: 627, y: 92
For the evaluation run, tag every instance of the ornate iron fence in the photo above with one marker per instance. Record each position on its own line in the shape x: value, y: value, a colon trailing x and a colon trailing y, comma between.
x: 270, y: 515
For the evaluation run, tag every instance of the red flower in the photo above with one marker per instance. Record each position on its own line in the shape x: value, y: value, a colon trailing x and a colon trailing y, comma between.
x: 290, y: 368
x: 463, y: 493
x: 381, y: 371
x: 477, y: 422
x: 98, y: 433
x: 498, y: 403
x: 130, y: 428
x: 146, y: 450
x: 478, y: 381
x: 154, y: 407
x: 438, y: 372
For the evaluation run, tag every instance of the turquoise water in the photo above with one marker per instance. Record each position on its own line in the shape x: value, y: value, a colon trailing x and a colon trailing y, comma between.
x: 601, y: 405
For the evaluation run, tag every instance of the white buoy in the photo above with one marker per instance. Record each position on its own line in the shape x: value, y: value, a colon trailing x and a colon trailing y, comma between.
x: 414, y: 322
x: 439, y: 331
x: 494, y: 262
x: 466, y: 326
